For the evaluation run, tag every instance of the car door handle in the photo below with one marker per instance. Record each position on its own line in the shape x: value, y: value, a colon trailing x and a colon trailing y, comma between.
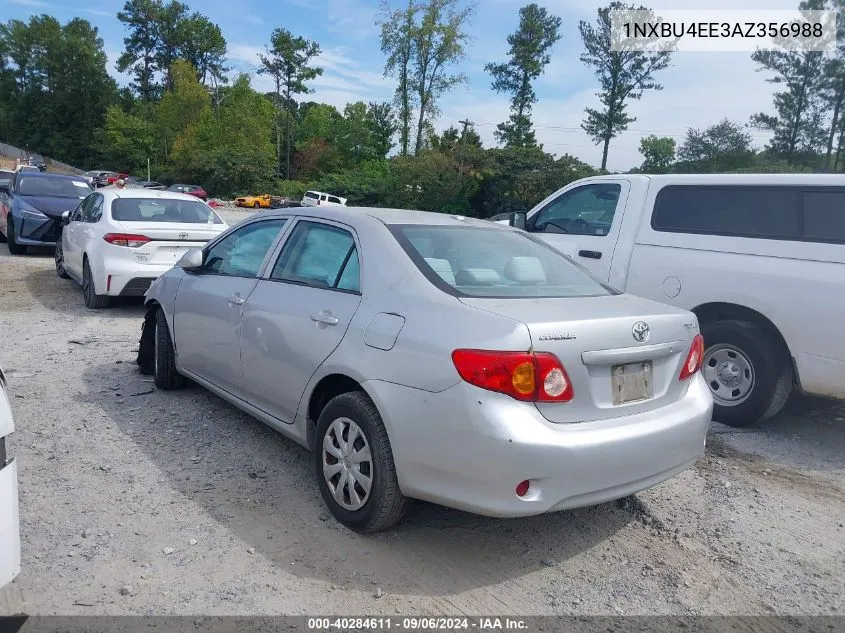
x: 322, y: 317
x: 237, y: 300
x: 590, y: 254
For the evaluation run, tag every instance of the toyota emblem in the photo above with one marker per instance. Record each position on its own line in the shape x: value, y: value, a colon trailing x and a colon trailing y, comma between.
x: 640, y: 331
x: 184, y: 236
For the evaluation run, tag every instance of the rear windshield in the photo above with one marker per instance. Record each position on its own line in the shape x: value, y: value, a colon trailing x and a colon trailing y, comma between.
x: 53, y: 187
x: 490, y: 262
x: 162, y: 210
x: 312, y: 195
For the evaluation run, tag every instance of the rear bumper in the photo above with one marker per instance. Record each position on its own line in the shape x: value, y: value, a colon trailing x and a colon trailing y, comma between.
x: 10, y: 538
x: 468, y: 448
x: 127, y: 278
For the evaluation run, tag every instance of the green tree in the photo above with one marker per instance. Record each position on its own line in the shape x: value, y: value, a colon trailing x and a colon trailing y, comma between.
x: 141, y: 17
x: 184, y: 105
x: 725, y: 146
x: 397, y: 42
x: 127, y: 140
x: 204, y: 47
x: 658, y: 153
x: 287, y: 62
x: 622, y: 75
x: 382, y: 124
x: 529, y: 55
x: 171, y: 28
x: 438, y: 43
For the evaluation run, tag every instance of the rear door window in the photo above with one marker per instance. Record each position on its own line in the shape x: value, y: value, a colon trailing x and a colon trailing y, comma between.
x: 824, y: 215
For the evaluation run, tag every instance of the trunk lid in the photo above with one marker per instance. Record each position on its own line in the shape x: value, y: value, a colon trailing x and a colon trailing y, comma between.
x: 593, y: 337
x: 170, y: 240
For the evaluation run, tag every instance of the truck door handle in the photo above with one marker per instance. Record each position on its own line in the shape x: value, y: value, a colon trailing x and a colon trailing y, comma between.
x: 590, y: 254
x: 237, y: 300
x: 322, y: 317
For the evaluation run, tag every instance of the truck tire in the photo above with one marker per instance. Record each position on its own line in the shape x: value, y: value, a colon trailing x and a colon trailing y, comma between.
x: 748, y: 371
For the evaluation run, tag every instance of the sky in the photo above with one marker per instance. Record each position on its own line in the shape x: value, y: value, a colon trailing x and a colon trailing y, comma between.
x: 699, y: 88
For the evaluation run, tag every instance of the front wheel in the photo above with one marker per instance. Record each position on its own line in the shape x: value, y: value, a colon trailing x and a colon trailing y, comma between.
x: 748, y: 371
x: 353, y: 463
x: 60, y: 261
x: 256, y: 205
x: 165, y: 375
x: 14, y: 247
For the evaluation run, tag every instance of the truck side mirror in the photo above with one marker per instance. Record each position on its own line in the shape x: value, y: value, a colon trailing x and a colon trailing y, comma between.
x: 517, y: 220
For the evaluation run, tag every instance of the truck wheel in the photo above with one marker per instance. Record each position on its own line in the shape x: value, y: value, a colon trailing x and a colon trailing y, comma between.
x: 748, y: 371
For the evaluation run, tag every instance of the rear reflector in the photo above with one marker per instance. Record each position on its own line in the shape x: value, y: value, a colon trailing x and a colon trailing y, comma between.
x: 126, y: 239
x: 529, y: 376
x: 694, y: 358
x: 522, y: 488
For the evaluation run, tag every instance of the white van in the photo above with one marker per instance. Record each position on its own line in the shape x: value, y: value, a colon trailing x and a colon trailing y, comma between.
x: 10, y: 538
x: 760, y: 259
x: 319, y: 198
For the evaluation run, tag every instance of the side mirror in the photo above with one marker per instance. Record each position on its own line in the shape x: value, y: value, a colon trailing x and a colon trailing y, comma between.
x: 517, y: 220
x: 66, y: 217
x: 192, y: 260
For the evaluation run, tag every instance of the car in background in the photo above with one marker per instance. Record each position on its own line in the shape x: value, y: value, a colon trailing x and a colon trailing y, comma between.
x: 150, y: 184
x: 27, y: 167
x: 106, y: 178
x: 31, y: 207
x: 10, y: 536
x: 38, y: 162
x: 194, y: 190
x: 543, y: 388
x: 319, y: 198
x: 5, y: 177
x: 91, y: 176
x: 117, y: 241
x: 255, y: 202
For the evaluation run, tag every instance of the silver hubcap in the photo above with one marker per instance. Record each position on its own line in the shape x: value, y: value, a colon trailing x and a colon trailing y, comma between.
x: 347, y: 464
x: 729, y: 373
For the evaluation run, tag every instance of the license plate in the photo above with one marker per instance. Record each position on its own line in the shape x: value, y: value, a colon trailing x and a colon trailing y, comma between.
x: 631, y: 382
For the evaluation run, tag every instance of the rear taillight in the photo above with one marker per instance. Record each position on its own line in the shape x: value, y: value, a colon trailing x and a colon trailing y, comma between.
x: 126, y: 239
x: 694, y: 358
x: 537, y: 376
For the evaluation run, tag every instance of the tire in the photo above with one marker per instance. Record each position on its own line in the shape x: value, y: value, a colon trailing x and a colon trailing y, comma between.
x: 93, y: 301
x: 165, y: 375
x: 384, y: 505
x: 256, y: 205
x: 748, y: 371
x: 60, y: 261
x: 14, y: 247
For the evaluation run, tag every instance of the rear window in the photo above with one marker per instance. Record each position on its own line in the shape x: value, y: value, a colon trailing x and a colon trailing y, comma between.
x: 491, y: 262
x: 312, y: 195
x: 52, y: 187
x: 163, y: 210
x: 824, y: 215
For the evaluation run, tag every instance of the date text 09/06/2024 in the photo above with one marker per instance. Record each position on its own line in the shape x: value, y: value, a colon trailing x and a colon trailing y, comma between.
x: 386, y: 623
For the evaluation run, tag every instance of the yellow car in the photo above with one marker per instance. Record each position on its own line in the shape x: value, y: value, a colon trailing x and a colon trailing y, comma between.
x: 256, y: 202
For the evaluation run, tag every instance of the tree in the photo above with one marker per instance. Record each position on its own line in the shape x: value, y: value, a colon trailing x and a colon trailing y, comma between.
x: 204, y: 47
x: 724, y: 146
x: 287, y: 62
x: 452, y: 138
x: 438, y: 43
x: 797, y: 124
x: 658, y: 153
x: 183, y: 105
x: 382, y: 124
x: 397, y: 42
x: 139, y: 56
x: 127, y: 140
x: 171, y: 28
x: 529, y: 55
x: 622, y: 75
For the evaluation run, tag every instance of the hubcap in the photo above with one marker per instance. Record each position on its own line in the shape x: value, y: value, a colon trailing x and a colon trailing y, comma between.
x: 347, y: 464
x: 729, y: 373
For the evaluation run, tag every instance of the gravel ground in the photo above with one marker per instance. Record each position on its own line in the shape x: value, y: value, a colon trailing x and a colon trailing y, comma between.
x: 135, y: 501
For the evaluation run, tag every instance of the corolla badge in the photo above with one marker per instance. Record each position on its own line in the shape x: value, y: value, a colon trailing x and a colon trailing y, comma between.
x: 557, y: 337
x: 640, y: 331
x: 183, y: 236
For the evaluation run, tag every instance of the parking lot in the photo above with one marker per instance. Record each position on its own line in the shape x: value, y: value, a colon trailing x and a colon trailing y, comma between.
x: 136, y: 501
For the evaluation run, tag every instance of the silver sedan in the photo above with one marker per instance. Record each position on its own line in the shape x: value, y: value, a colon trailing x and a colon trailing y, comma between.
x: 436, y: 357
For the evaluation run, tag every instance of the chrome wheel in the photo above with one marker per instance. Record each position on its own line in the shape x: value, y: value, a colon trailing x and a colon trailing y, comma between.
x: 729, y: 373
x: 347, y: 464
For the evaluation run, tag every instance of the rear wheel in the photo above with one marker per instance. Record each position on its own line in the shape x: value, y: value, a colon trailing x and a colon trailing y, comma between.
x: 60, y: 261
x: 256, y: 204
x: 164, y: 368
x: 14, y: 247
x: 93, y: 301
x: 353, y: 463
x: 748, y: 371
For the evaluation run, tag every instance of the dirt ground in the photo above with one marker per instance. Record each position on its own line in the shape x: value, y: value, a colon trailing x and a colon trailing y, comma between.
x: 136, y: 501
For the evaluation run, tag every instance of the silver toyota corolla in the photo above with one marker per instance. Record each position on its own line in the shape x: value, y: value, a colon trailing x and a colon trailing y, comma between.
x: 430, y: 356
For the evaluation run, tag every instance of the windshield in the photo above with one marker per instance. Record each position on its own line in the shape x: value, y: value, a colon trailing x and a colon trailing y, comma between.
x: 53, y: 187
x: 473, y: 261
x: 163, y: 210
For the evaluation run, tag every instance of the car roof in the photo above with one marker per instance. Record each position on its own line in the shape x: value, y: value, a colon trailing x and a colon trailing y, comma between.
x: 389, y: 217
x: 147, y: 194
x: 733, y: 179
x: 44, y: 174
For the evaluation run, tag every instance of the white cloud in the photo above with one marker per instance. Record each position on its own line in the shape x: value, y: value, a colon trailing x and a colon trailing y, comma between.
x: 31, y: 3
x: 105, y: 14
x: 253, y: 19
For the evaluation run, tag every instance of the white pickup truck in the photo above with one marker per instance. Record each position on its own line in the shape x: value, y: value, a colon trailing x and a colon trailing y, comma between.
x: 10, y: 539
x: 760, y: 259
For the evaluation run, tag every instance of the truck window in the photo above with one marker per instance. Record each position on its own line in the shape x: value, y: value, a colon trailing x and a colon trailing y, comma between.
x: 769, y: 213
x: 824, y: 216
x: 586, y: 210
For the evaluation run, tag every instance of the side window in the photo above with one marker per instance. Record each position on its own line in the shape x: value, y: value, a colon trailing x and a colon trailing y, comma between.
x: 586, y: 210
x: 83, y: 209
x: 96, y: 209
x: 334, y: 199
x: 824, y: 216
x: 241, y: 253
x: 323, y: 197
x: 771, y: 213
x: 319, y: 255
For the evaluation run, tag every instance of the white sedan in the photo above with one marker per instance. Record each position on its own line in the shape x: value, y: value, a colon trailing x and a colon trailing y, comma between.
x: 118, y: 241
